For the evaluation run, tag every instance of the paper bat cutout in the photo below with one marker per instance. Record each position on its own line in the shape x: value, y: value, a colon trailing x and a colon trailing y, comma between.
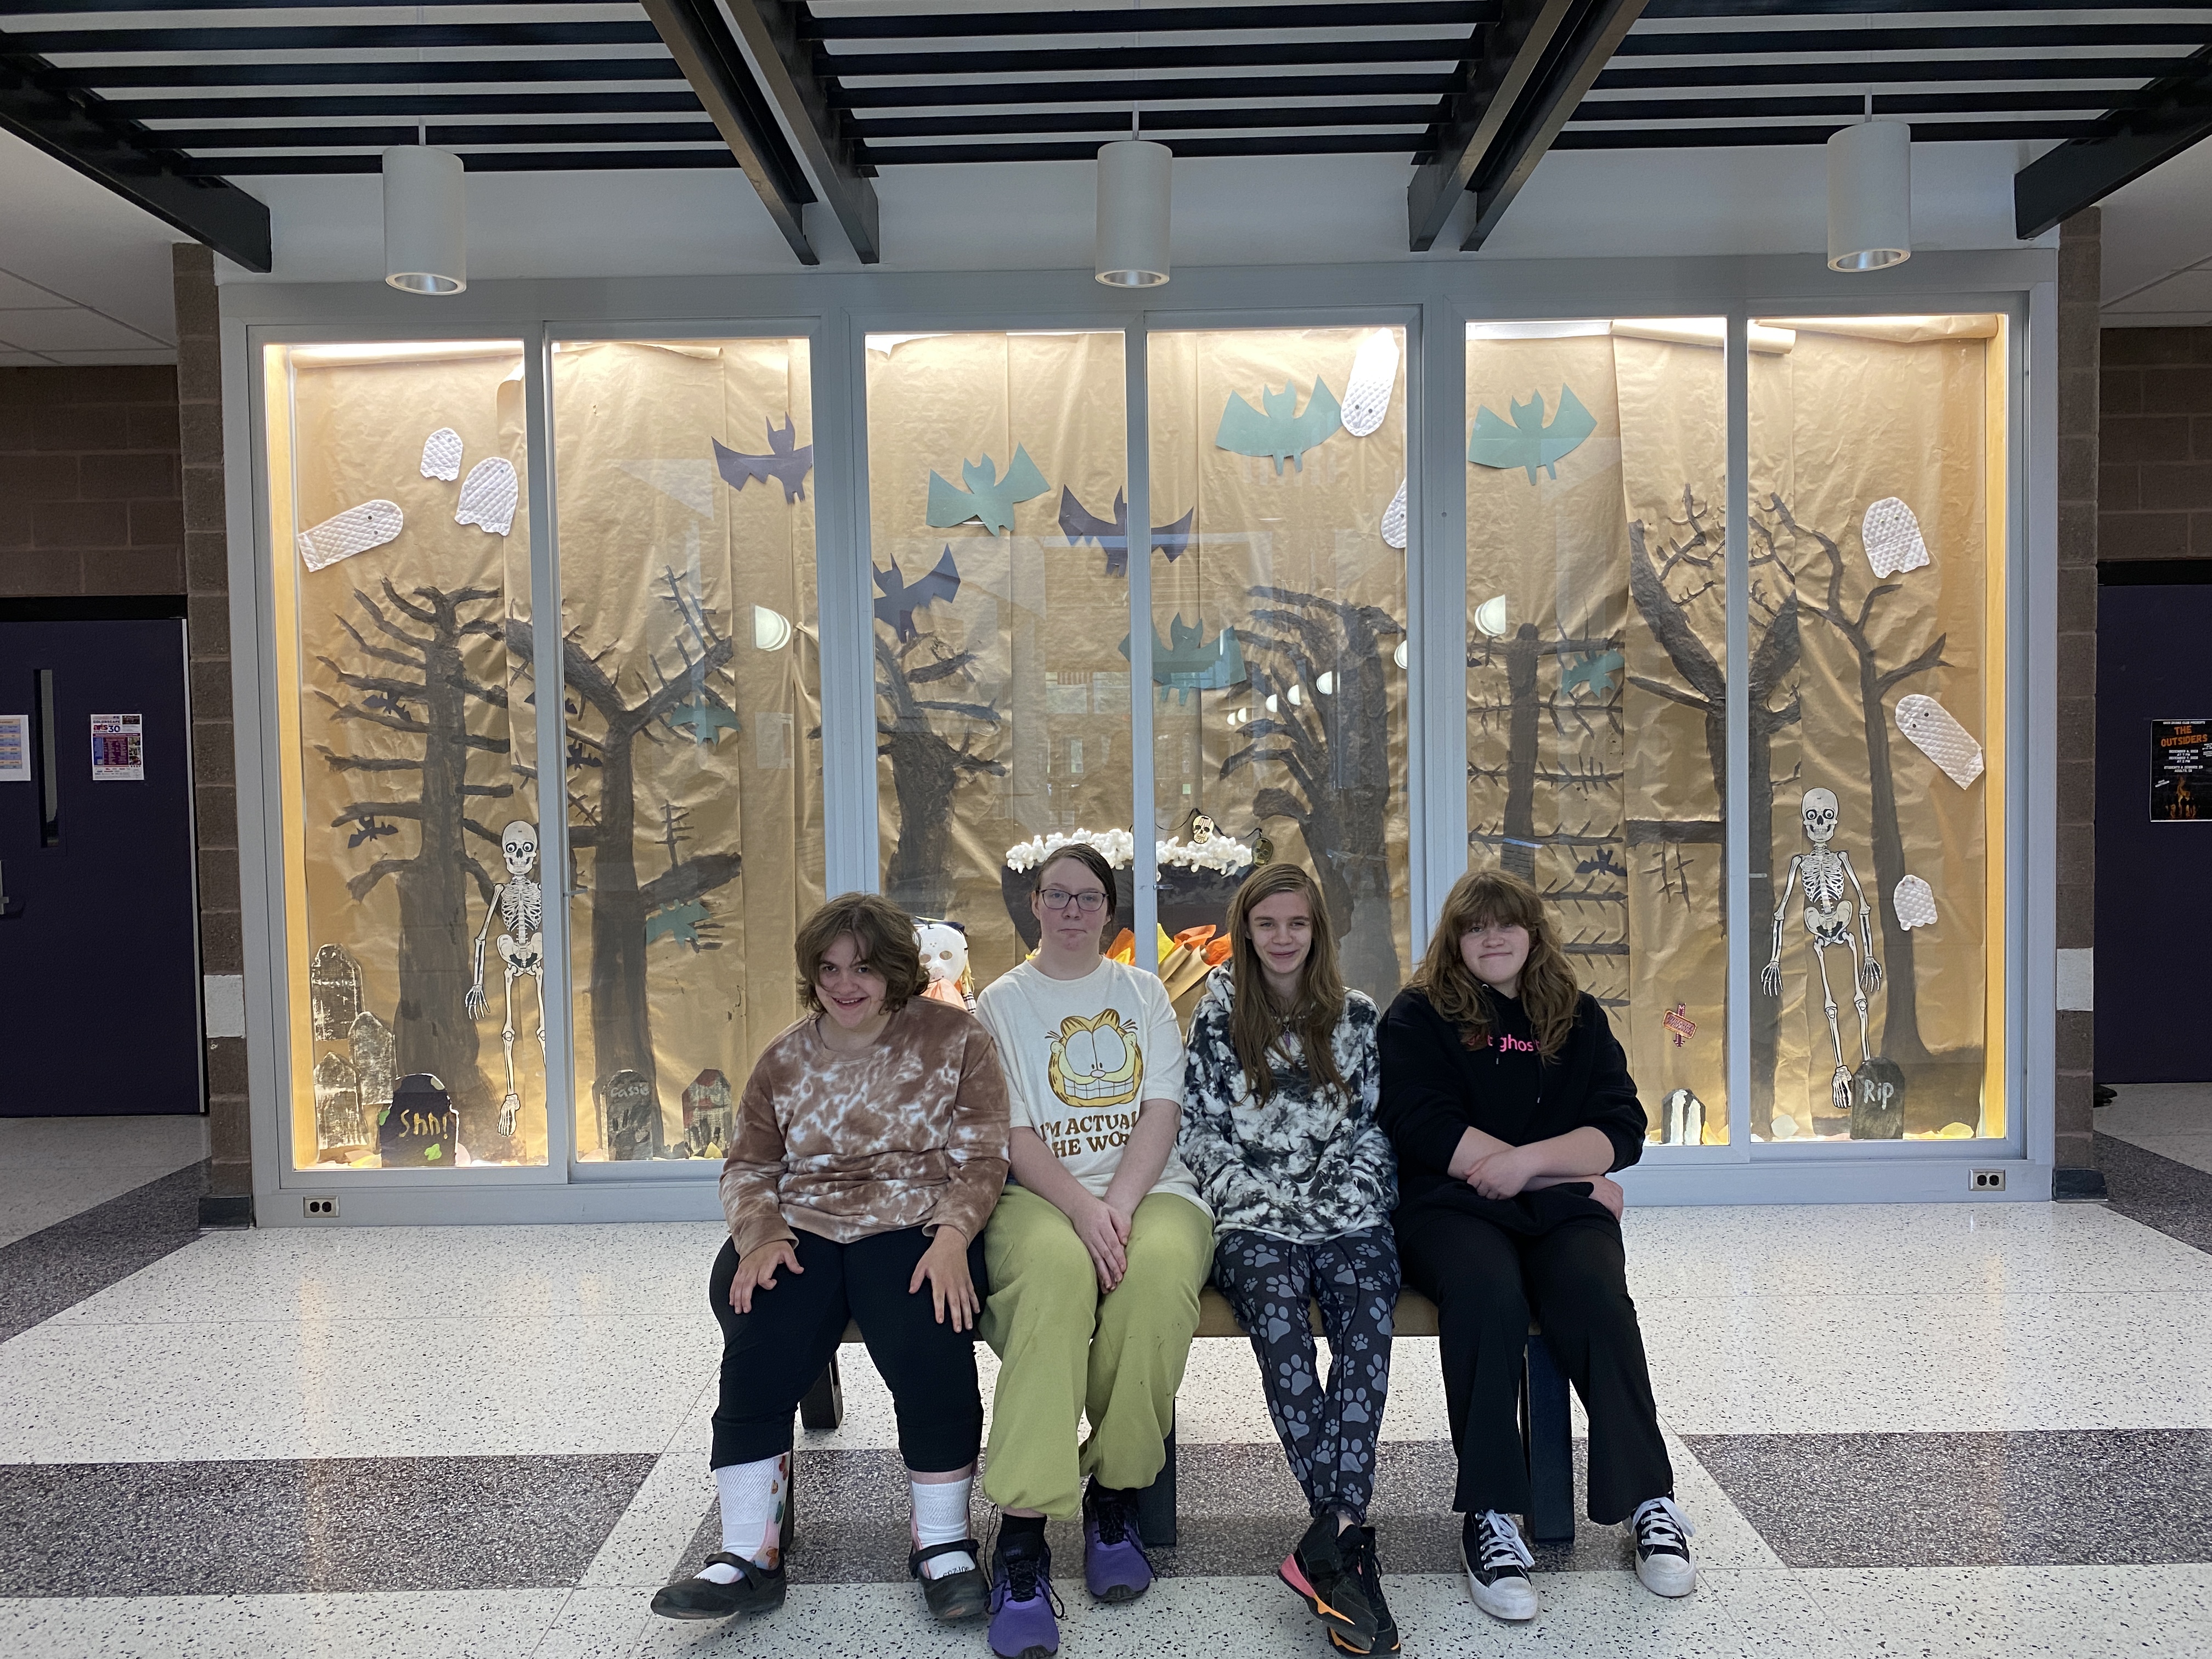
x: 1279, y: 433
x: 679, y: 922
x: 1187, y: 661
x: 702, y: 719
x: 1595, y: 671
x: 786, y: 465
x: 902, y: 598
x: 370, y: 829
x: 989, y: 498
x: 1079, y: 524
x: 1529, y: 442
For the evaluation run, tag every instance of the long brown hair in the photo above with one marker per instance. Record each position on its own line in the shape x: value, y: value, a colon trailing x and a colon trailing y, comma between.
x: 1549, y: 993
x: 885, y: 936
x: 1256, y: 1025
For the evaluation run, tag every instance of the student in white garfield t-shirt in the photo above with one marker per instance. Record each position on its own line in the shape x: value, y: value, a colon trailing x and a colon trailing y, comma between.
x: 1096, y: 1253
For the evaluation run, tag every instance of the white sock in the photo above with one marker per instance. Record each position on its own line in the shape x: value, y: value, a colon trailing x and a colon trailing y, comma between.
x: 753, y: 1497
x: 941, y: 1517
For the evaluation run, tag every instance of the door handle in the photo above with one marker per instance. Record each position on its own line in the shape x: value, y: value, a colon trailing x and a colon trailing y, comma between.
x: 8, y: 909
x: 50, y: 772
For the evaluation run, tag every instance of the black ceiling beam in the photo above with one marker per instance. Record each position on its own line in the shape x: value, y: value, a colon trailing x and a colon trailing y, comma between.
x: 1571, y: 64
x: 117, y: 153
x: 121, y: 76
x: 775, y: 35
x: 1965, y: 37
x: 1931, y: 132
x: 1500, y: 62
x: 576, y: 135
x: 925, y: 95
x: 338, y: 37
x: 428, y: 105
x: 1850, y: 72
x: 706, y: 51
x: 1182, y: 20
x: 2171, y: 116
x: 1038, y: 60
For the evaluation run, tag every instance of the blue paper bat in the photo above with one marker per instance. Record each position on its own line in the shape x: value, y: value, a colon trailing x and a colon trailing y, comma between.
x: 902, y: 598
x: 1281, y: 433
x: 702, y: 719
x: 1596, y: 673
x: 989, y: 498
x: 679, y: 922
x: 1187, y: 661
x: 1529, y: 442
x: 787, y: 466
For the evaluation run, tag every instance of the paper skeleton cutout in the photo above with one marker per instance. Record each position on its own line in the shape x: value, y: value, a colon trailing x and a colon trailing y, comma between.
x: 1374, y: 377
x: 1891, y: 535
x: 441, y: 454
x: 518, y: 904
x: 354, y: 531
x: 1394, y: 519
x: 1929, y: 726
x: 489, y: 496
x: 1822, y: 874
x: 1915, y: 902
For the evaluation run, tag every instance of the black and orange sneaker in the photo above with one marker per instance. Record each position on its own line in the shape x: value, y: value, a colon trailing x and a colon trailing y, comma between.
x: 1320, y: 1570
x: 1359, y: 1544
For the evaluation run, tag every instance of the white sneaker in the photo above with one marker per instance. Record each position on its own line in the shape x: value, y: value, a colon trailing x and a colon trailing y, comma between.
x: 1663, y: 1560
x: 1497, y: 1565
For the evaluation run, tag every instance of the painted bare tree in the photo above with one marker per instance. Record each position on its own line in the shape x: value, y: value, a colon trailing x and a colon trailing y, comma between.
x: 423, y: 636
x: 627, y: 706
x: 927, y: 767
x: 1900, y: 1030
x: 1336, y: 751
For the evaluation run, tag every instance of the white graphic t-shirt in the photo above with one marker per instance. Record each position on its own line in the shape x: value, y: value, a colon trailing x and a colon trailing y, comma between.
x: 1081, y: 1056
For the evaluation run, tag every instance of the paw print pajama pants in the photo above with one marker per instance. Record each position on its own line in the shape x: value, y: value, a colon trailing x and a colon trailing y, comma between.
x: 1330, y: 1431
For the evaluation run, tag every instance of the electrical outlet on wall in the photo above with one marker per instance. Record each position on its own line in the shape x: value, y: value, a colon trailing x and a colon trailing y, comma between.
x: 322, y: 1209
x: 1985, y: 1180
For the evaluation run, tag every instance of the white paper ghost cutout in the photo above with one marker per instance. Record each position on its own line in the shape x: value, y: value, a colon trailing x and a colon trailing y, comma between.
x: 489, y: 496
x: 1929, y: 726
x: 1374, y: 377
x: 1394, y: 519
x: 1915, y: 902
x: 354, y: 531
x: 441, y: 454
x: 1891, y: 535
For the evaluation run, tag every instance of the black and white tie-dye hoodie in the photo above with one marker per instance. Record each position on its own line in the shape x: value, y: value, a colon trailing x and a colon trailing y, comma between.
x: 1309, y: 1165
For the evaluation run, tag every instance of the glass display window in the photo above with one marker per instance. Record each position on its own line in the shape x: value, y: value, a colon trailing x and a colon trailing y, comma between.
x: 684, y: 474
x: 1597, y: 600
x: 414, y: 893
x: 997, y: 492
x: 1279, y: 491
x: 1877, y: 448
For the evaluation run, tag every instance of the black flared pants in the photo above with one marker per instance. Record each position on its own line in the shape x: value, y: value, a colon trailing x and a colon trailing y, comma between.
x: 1484, y: 1280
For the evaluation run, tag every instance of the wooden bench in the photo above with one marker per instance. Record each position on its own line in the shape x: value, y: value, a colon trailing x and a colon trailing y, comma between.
x: 1546, y: 1423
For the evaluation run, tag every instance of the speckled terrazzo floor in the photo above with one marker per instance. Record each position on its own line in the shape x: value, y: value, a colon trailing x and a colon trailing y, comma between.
x: 1939, y: 1430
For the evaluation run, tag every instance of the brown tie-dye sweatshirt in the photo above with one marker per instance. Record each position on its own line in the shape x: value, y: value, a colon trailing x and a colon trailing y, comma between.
x: 909, y: 1133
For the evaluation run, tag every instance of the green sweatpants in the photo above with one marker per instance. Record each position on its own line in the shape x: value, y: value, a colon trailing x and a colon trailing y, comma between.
x: 1065, y: 1351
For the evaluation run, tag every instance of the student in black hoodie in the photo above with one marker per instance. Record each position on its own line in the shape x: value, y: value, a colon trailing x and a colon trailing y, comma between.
x: 1508, y: 1099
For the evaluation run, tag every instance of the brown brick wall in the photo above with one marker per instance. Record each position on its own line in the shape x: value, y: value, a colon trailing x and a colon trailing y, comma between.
x: 90, y: 499
x: 2080, y: 432
x: 2155, y: 473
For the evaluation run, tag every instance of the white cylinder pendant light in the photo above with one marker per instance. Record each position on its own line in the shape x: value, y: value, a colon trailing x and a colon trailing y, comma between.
x: 1134, y: 209
x: 1870, y: 196
x: 425, y: 225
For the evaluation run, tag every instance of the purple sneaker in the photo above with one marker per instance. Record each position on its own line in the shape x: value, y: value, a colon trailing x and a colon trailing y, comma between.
x: 1023, y: 1605
x: 1115, y: 1565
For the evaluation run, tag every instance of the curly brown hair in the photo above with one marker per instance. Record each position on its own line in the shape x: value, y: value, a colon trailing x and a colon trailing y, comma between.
x: 885, y: 935
x: 1548, y: 991
x: 1256, y: 1024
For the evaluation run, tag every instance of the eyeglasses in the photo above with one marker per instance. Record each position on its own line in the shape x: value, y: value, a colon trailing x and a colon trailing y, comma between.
x: 1059, y: 898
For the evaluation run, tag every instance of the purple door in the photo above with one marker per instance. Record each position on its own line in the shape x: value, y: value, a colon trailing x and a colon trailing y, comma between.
x: 100, y: 984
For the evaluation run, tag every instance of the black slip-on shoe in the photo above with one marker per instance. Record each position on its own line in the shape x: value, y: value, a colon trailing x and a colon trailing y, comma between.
x: 1319, y: 1569
x: 956, y: 1597
x: 1359, y: 1544
x: 757, y: 1589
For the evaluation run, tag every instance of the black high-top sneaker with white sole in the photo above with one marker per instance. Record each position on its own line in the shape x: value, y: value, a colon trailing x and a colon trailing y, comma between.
x: 1497, y: 1565
x: 1663, y: 1560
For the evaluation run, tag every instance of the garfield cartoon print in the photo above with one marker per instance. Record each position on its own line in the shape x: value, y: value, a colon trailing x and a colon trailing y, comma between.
x: 1095, y: 1063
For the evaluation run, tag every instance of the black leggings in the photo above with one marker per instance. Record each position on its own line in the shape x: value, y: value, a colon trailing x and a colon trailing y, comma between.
x: 1484, y: 1279
x: 771, y: 1355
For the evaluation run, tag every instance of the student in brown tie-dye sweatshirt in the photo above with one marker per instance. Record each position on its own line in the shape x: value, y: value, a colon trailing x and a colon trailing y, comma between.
x: 869, y: 1151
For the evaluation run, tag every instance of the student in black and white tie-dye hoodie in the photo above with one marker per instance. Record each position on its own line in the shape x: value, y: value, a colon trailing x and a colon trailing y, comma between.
x: 1281, y: 1080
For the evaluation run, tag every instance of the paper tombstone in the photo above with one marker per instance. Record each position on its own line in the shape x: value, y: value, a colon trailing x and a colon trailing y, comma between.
x: 488, y: 496
x: 1394, y: 519
x: 1928, y: 728
x: 1914, y: 902
x: 421, y: 1130
x: 370, y: 1043
x: 1878, y: 1101
x: 1374, y: 377
x: 441, y: 454
x: 633, y: 1116
x: 373, y: 524
x: 944, y: 946
x: 1891, y: 535
x: 339, y: 1125
x: 1682, y: 1119
x: 709, y: 1118
x: 333, y: 993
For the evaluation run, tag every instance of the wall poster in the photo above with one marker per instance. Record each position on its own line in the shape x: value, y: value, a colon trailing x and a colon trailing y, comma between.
x: 2180, y: 793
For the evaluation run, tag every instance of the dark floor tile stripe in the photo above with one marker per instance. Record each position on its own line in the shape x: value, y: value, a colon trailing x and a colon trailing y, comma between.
x: 2048, y: 1498
x: 284, y: 1527
x: 1239, y: 1512
x: 2163, y: 1194
x: 58, y: 1267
